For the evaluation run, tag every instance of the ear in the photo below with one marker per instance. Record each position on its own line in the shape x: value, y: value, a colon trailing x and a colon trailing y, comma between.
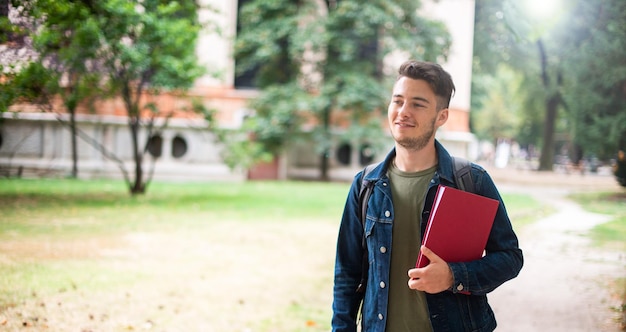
x: 442, y: 117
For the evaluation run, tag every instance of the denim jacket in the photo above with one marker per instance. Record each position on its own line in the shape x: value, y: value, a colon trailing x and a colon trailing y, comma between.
x: 464, y: 307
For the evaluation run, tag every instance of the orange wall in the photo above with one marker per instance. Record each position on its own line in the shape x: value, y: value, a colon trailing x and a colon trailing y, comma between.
x: 458, y: 120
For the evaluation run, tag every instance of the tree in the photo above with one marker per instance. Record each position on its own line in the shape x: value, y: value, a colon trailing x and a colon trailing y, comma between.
x: 64, y: 39
x: 147, y: 47
x: 596, y: 86
x: 506, y: 27
x: 501, y: 105
x: 118, y: 48
x: 319, y: 62
x: 572, y: 62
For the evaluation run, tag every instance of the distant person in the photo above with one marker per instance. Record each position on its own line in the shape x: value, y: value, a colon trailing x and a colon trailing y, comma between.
x: 443, y: 296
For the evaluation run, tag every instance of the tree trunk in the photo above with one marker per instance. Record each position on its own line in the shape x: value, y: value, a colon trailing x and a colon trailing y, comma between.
x: 138, y: 185
x: 324, y: 162
x: 324, y: 166
x: 546, y: 160
x: 71, y: 102
x: 74, y: 135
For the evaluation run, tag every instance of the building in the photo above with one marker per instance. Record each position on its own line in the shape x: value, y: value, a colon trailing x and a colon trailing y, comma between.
x: 33, y: 143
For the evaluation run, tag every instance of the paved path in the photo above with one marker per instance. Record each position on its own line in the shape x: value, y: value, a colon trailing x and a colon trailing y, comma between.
x: 563, y: 284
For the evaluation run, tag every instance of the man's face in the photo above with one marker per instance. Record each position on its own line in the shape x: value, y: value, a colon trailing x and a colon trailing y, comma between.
x: 412, y: 113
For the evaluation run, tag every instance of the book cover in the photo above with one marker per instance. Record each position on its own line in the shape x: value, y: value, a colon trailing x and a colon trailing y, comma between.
x: 458, y: 226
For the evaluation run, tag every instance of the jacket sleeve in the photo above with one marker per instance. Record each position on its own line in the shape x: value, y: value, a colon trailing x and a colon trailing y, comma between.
x: 347, y: 275
x: 503, y: 258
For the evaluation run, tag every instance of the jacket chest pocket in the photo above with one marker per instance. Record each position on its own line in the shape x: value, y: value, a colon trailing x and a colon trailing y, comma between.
x: 376, y: 224
x: 379, y: 213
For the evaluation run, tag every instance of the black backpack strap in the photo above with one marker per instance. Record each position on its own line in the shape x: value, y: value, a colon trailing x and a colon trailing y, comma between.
x: 462, y: 169
x: 364, y: 195
x: 366, y: 191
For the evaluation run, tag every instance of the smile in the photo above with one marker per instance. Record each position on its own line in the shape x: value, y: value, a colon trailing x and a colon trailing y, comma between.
x: 404, y: 124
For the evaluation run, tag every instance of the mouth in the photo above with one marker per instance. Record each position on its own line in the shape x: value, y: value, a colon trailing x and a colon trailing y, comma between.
x: 403, y: 124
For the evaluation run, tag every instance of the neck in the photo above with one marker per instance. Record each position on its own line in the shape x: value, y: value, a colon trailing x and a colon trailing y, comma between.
x: 410, y: 161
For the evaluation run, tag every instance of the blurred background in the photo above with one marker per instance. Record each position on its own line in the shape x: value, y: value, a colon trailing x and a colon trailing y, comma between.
x: 298, y: 89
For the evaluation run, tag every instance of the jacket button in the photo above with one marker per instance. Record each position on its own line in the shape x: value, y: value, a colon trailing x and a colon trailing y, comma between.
x: 387, y: 213
x: 383, y: 250
x: 459, y: 287
x: 384, y: 184
x: 380, y: 316
x: 382, y: 284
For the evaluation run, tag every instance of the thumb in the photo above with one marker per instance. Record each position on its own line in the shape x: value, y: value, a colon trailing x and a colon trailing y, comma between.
x: 432, y: 257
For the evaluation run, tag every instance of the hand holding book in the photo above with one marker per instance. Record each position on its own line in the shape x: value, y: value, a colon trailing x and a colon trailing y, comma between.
x: 458, y: 226
x: 434, y: 278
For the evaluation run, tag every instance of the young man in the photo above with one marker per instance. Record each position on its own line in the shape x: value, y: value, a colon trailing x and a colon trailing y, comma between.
x: 443, y: 296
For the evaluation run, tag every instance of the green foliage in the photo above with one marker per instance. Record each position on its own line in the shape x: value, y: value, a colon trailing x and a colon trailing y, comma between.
x: 501, y: 106
x: 319, y: 58
x: 34, y: 83
x: 596, y: 95
x: 65, y: 39
x: 154, y: 45
x: 276, y: 115
x: 584, y: 68
x: 241, y: 152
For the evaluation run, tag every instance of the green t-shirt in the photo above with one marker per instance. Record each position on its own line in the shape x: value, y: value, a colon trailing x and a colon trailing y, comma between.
x: 407, y: 309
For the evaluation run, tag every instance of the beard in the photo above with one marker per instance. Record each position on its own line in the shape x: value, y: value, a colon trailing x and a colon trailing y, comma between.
x: 419, y: 142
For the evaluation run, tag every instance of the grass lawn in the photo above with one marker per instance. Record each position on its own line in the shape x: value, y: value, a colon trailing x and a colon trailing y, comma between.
x: 610, y: 235
x: 254, y: 256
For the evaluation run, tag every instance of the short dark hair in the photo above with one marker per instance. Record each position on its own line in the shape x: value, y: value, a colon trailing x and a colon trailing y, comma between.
x: 438, y: 79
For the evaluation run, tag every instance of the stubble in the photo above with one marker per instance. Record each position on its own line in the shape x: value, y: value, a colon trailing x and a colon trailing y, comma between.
x: 418, y: 143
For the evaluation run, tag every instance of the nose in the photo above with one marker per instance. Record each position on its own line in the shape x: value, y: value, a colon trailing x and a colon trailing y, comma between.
x: 403, y: 110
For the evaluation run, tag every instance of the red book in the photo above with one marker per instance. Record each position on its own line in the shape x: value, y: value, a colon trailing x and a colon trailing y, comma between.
x: 458, y: 226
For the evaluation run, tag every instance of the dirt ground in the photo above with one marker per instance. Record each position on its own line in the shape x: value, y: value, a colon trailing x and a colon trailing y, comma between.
x: 565, y: 284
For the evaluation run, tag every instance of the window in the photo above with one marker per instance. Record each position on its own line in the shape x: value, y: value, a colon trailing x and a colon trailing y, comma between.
x: 344, y: 154
x: 366, y: 155
x: 155, y: 146
x: 179, y: 147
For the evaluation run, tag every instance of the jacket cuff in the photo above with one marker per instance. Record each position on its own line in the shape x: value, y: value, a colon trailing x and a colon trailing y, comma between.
x: 460, y: 278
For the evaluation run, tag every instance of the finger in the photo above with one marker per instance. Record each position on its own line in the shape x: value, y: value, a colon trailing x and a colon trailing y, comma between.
x: 415, y: 283
x: 414, y: 273
x: 430, y: 254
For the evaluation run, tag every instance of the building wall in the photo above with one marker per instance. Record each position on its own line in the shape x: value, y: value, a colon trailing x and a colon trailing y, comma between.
x: 458, y: 15
x: 38, y: 145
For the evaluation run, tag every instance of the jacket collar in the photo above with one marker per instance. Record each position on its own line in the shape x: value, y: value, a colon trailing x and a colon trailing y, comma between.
x: 444, y: 168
